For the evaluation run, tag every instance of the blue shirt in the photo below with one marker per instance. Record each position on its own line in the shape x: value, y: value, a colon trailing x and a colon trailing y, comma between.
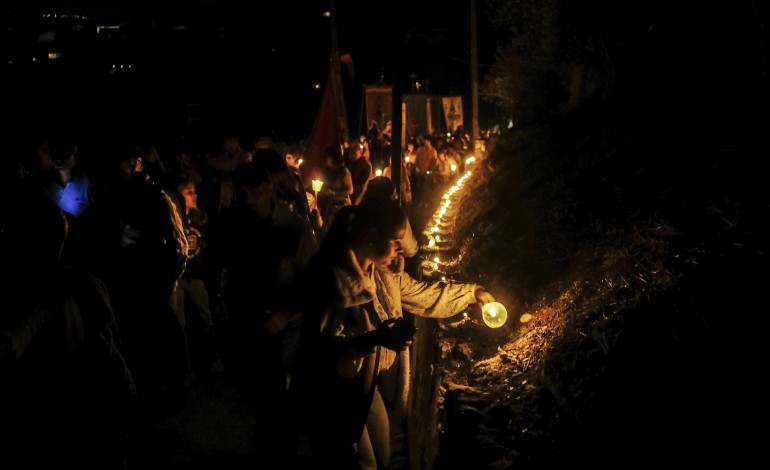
x: 75, y: 197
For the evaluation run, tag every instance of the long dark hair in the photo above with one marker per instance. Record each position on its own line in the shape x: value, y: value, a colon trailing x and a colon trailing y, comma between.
x: 352, y: 223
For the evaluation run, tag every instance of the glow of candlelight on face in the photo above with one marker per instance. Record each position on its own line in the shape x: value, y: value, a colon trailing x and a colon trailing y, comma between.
x: 494, y: 314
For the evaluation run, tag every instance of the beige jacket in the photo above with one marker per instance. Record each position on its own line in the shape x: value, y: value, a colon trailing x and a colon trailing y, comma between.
x: 392, y: 291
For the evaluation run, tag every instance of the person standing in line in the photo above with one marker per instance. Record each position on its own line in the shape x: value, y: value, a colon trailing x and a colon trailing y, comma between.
x: 354, y: 328
x: 264, y: 244
x: 386, y: 141
x: 425, y: 156
x: 373, y: 139
x: 83, y: 198
x: 443, y: 170
x: 409, y: 157
x: 405, y: 195
x: 360, y: 169
x: 223, y: 153
x: 337, y: 188
x: 67, y: 395
x: 293, y: 158
x: 192, y: 301
x: 425, y: 162
x: 152, y: 257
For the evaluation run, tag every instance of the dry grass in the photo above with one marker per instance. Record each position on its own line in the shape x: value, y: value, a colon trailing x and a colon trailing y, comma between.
x: 620, y: 340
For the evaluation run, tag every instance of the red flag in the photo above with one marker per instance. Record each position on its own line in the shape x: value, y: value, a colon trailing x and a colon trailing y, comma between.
x: 325, y: 133
x: 331, y: 123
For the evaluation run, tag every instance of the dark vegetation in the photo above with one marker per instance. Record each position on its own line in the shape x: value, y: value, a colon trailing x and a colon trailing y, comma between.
x: 626, y: 212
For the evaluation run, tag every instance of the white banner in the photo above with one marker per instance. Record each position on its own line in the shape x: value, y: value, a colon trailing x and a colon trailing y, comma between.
x: 453, y: 112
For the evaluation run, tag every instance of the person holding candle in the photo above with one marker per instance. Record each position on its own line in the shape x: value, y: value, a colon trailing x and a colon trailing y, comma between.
x: 337, y: 187
x: 353, y: 328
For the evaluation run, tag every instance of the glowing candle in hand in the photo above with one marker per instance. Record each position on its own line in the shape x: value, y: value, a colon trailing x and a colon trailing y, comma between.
x: 494, y: 314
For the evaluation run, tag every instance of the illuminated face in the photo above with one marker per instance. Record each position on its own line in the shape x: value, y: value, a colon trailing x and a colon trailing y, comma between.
x: 132, y: 165
x: 190, y: 196
x: 291, y: 160
x: 385, y: 252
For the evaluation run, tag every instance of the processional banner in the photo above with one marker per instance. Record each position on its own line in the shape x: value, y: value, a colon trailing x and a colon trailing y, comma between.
x: 453, y: 112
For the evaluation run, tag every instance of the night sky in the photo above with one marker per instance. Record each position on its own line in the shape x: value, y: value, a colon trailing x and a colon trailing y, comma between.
x: 259, y: 66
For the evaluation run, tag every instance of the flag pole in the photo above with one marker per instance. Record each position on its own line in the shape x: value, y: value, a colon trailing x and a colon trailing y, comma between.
x: 336, y: 78
x: 330, y: 127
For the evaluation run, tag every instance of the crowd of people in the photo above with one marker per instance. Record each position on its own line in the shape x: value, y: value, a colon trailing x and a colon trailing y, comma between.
x: 215, y: 259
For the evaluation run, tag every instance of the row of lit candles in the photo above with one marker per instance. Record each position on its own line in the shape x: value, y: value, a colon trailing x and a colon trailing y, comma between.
x: 494, y: 314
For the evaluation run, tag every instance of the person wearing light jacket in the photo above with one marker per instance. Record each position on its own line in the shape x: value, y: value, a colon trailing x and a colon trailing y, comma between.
x: 353, y: 328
